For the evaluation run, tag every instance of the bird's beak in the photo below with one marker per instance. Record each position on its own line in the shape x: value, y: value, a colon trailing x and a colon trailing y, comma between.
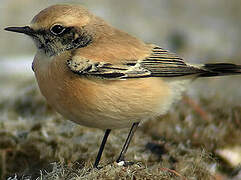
x: 25, y: 30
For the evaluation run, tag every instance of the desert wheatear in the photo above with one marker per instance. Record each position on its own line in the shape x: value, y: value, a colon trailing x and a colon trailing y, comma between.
x: 101, y: 77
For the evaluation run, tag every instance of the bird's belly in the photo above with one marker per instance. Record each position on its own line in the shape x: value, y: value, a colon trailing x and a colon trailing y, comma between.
x: 104, y: 104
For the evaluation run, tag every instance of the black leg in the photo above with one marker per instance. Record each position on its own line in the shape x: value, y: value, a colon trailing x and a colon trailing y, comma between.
x: 107, y: 132
x: 128, y: 140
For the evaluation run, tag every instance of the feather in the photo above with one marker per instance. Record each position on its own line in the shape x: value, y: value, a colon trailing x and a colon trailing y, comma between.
x: 160, y: 63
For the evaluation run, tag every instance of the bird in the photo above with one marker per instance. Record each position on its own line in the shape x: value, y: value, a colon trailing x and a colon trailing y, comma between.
x: 101, y: 77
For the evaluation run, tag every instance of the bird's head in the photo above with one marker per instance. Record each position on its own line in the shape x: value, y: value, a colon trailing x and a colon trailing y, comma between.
x: 60, y: 28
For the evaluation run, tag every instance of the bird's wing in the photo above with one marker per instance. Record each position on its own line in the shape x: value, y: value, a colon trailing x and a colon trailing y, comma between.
x: 160, y: 63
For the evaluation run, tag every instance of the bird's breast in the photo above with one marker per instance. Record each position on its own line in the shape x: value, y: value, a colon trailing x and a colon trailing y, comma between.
x: 100, y: 103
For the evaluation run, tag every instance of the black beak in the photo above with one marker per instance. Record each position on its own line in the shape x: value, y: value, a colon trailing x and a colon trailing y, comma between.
x: 25, y: 30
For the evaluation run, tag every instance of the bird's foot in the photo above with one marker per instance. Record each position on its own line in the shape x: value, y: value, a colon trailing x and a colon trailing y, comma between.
x: 125, y: 163
x: 98, y: 167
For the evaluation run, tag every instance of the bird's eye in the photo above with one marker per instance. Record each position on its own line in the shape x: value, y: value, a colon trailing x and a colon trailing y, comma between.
x: 57, y: 29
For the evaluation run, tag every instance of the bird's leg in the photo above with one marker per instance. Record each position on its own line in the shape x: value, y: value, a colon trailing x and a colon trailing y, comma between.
x: 107, y: 132
x: 127, y: 142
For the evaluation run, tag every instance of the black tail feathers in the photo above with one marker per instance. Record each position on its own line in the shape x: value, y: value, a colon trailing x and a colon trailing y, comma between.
x: 220, y: 69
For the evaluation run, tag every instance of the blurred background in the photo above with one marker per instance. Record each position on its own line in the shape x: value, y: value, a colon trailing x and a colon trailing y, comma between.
x: 199, y: 31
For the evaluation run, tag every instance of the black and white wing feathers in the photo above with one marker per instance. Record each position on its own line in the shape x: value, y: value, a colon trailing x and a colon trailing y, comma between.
x: 160, y: 63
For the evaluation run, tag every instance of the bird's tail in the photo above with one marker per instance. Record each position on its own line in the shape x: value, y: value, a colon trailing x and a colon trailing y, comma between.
x: 220, y: 69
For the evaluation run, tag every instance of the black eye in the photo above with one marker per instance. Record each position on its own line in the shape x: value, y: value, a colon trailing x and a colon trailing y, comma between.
x: 57, y: 29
